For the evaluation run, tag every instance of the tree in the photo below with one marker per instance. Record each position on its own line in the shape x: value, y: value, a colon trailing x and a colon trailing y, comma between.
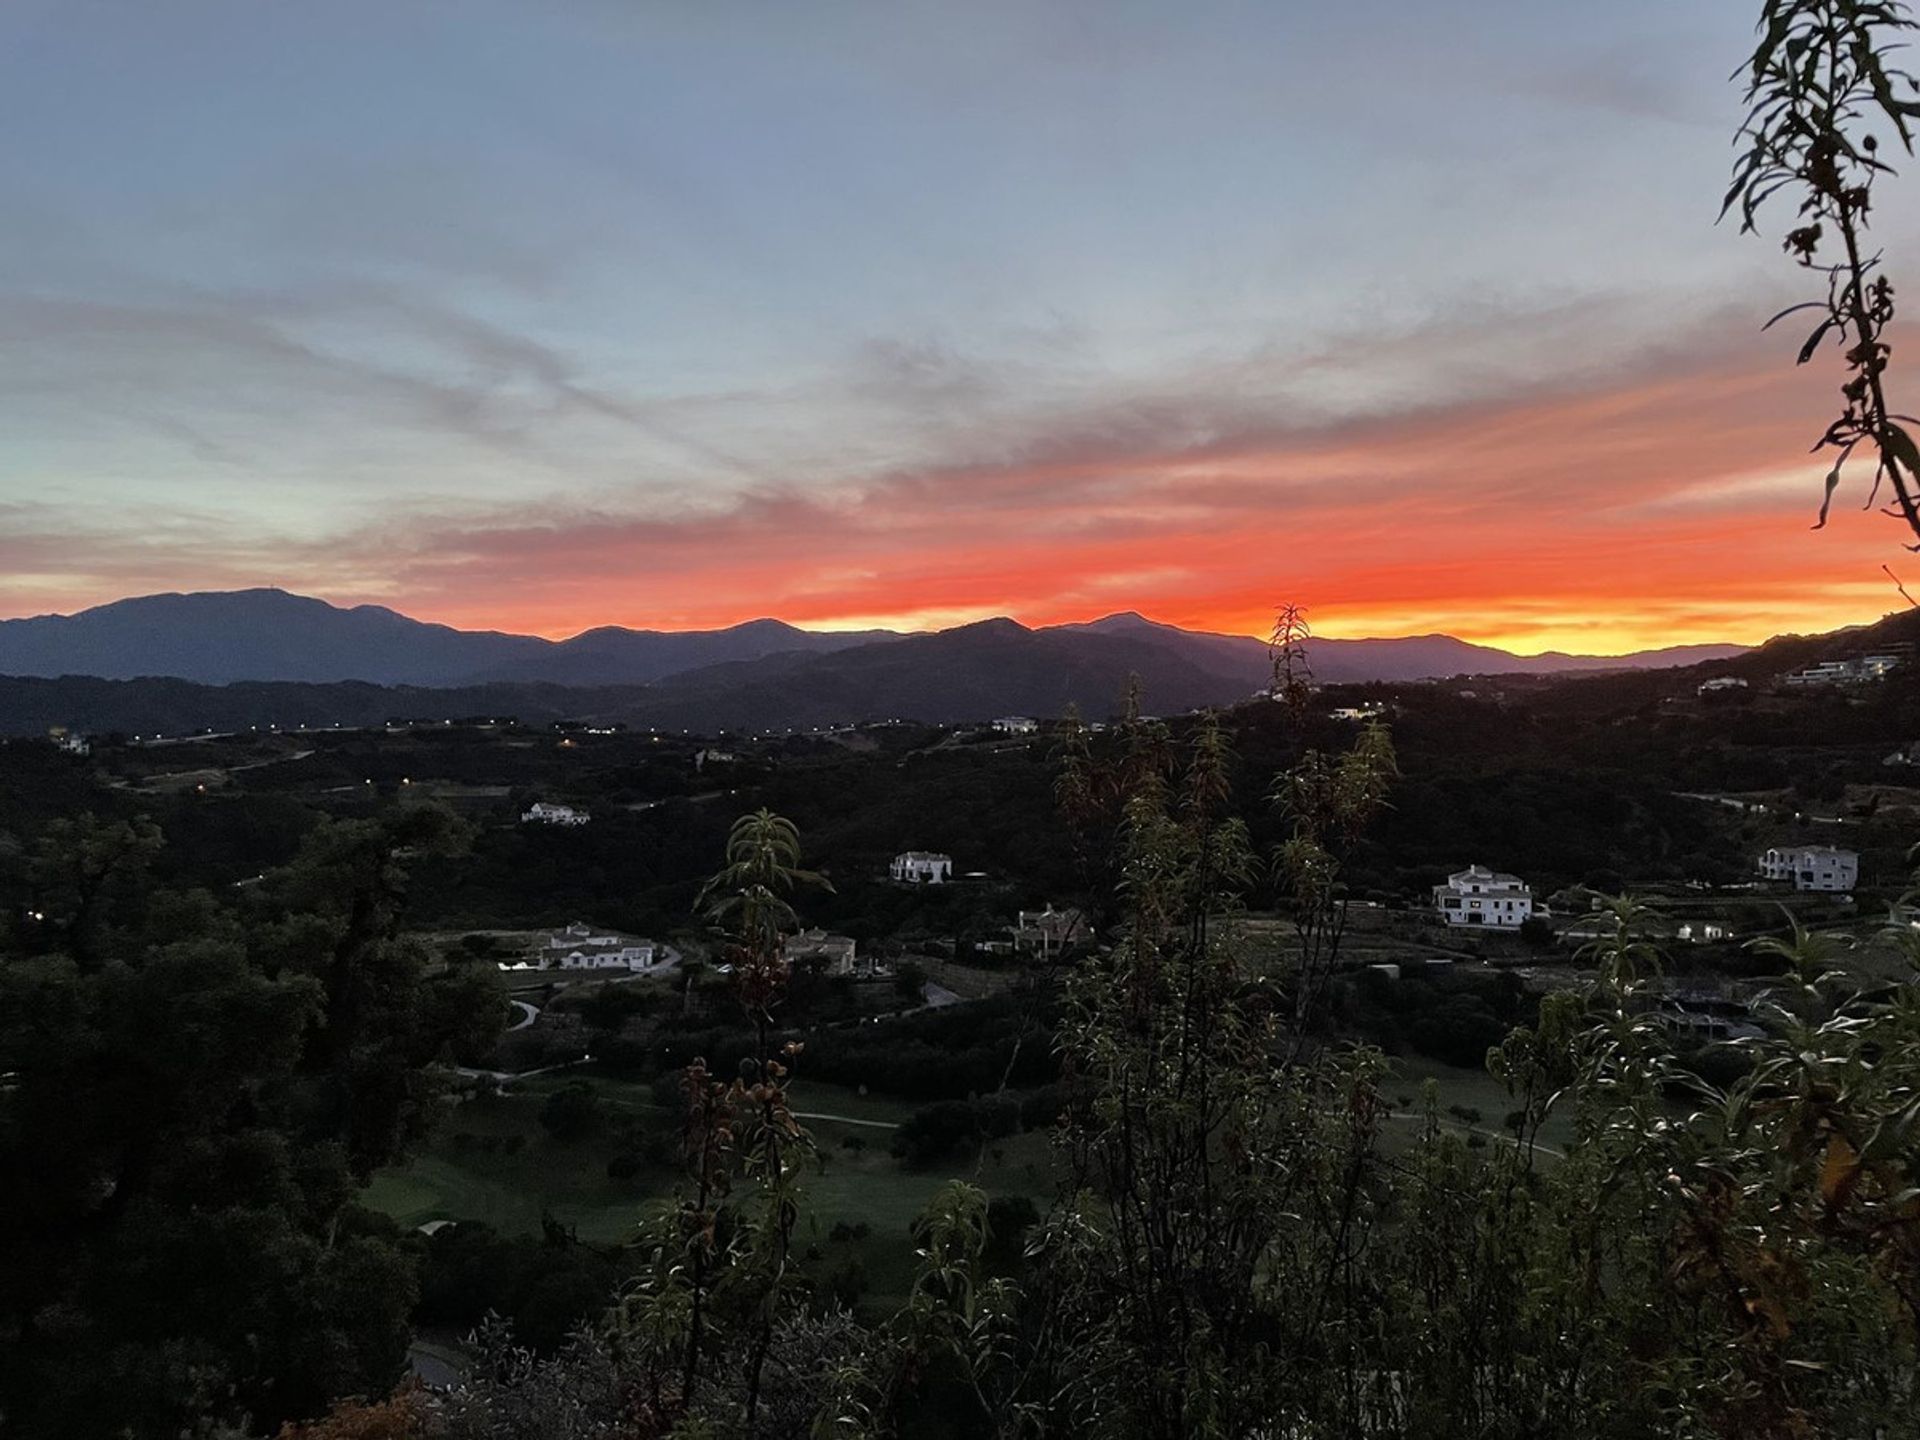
x: 720, y: 1283
x: 910, y: 981
x: 188, y: 1113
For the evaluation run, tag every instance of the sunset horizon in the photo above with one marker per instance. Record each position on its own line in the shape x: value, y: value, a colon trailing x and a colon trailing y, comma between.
x: 1584, y: 641
x: 902, y: 324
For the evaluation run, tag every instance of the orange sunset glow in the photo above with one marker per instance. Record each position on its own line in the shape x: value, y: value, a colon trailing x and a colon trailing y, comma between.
x: 1524, y: 524
x: 1124, y: 341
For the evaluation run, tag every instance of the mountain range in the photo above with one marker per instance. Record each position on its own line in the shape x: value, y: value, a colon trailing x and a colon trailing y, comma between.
x: 761, y: 674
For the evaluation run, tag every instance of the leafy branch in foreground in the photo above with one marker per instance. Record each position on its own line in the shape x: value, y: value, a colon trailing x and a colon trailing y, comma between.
x: 1817, y: 80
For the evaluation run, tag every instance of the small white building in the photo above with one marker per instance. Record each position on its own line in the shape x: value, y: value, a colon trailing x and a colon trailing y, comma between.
x: 1479, y: 896
x: 838, y: 954
x: 580, y: 947
x: 542, y: 812
x: 1812, y: 867
x: 1358, y: 713
x: 1016, y: 725
x: 922, y: 867
x: 1721, y: 682
x: 69, y: 741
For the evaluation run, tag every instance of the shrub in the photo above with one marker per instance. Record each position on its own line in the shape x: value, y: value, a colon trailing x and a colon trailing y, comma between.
x: 572, y: 1113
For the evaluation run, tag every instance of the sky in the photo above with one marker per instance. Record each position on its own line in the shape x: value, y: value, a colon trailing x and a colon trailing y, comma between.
x: 545, y: 314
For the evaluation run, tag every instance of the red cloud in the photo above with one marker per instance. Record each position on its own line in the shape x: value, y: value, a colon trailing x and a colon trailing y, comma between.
x: 1653, y: 511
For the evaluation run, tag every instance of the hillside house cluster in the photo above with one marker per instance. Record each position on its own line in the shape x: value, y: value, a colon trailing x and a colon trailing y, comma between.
x: 921, y: 867
x: 543, y: 812
x: 1479, y: 896
x: 1812, y: 867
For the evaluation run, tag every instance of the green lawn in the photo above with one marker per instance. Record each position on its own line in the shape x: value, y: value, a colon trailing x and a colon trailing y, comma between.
x: 858, y: 1182
x: 1471, y: 1089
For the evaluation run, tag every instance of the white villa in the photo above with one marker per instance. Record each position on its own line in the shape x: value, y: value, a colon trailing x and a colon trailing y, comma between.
x: 69, y: 741
x: 1721, y: 682
x: 580, y: 947
x: 1016, y: 725
x: 1479, y: 896
x: 542, y: 812
x: 922, y: 867
x: 1812, y: 867
x: 838, y: 952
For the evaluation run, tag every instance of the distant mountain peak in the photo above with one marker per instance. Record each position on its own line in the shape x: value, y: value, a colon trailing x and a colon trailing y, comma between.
x: 997, y: 625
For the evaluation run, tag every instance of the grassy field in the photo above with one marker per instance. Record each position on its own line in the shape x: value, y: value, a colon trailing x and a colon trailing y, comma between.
x: 525, y: 1173
x: 1469, y: 1089
x: 491, y: 1160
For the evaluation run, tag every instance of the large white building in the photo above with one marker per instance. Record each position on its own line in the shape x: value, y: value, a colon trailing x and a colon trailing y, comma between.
x: 1479, y: 896
x: 1812, y: 867
x: 542, y: 812
x: 1016, y: 725
x: 922, y: 867
x: 580, y: 947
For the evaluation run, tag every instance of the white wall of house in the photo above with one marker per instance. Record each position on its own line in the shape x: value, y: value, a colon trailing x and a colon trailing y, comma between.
x: 1812, y: 867
x: 1477, y: 896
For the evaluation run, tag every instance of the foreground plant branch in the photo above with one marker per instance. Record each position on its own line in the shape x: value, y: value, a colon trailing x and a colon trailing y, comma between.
x: 1819, y: 79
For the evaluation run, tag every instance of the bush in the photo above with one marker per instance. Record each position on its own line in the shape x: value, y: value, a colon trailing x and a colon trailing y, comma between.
x: 479, y: 947
x: 572, y: 1113
x: 936, y: 1131
x: 910, y: 981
